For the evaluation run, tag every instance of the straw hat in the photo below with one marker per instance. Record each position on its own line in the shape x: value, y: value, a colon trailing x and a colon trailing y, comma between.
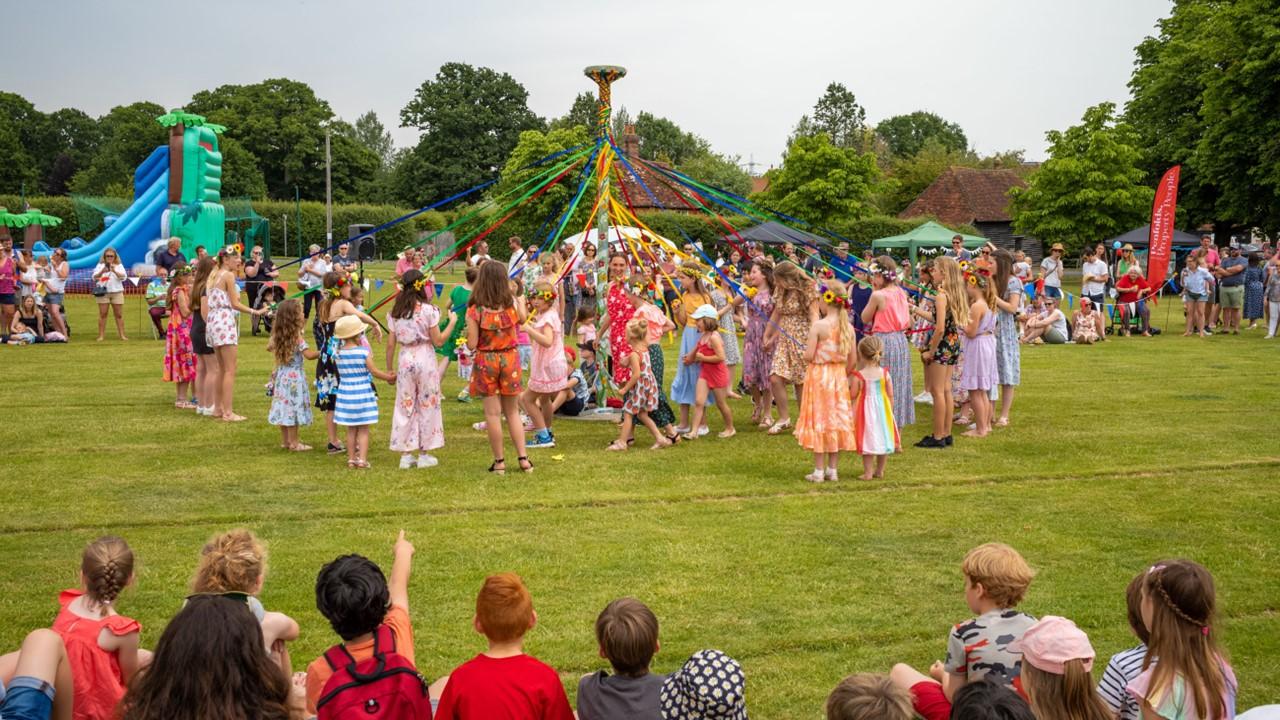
x: 348, y: 326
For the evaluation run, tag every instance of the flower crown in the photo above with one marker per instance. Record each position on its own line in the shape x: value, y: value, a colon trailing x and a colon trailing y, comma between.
x: 234, y: 249
x: 644, y: 288
x: 547, y: 295
x: 420, y: 283
x: 979, y: 277
x: 336, y: 290
x: 831, y: 297
x: 875, y: 268
x: 182, y: 270
x: 691, y: 270
x: 826, y: 273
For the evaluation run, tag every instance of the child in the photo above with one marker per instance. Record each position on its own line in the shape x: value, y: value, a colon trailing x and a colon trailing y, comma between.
x: 940, y: 355
x: 503, y: 682
x: 1192, y: 680
x: 756, y: 357
x: 825, y: 425
x: 590, y: 372
x: 206, y: 362
x: 356, y: 407
x: 980, y: 372
x: 572, y: 400
x: 1056, y: 661
x: 455, y: 345
x: 102, y: 645
x: 709, y: 686
x: 1021, y: 268
x: 493, y: 318
x: 996, y: 580
x: 1126, y: 665
x: 235, y: 561
x: 588, y: 316
x: 523, y: 345
x: 713, y: 373
x: 290, y: 398
x: 640, y: 391
x: 413, y: 324
x: 627, y: 635
x: 335, y: 303
x: 639, y: 291
x: 868, y: 697
x: 1197, y: 285
x: 989, y: 700
x: 795, y: 308
x: 684, y: 388
x: 547, y: 367
x: 354, y: 596
x: 357, y: 299
x: 874, y: 426
x: 179, y: 356
x: 721, y: 290
x: 157, y: 302
x: 35, y: 681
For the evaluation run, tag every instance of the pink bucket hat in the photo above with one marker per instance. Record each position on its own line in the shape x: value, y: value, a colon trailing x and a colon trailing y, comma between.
x: 1050, y: 643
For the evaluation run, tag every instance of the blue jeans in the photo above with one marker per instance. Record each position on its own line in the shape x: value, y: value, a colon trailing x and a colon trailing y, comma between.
x: 26, y: 698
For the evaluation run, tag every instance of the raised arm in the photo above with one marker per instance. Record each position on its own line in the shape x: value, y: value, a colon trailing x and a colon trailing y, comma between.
x: 400, y: 568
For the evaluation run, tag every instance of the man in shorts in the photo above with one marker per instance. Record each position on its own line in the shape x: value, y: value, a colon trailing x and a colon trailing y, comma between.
x: 1230, y: 274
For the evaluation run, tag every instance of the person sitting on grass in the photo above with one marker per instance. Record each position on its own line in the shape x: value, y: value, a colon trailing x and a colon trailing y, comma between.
x: 709, y: 686
x: 1089, y: 326
x: 1126, y: 665
x: 988, y: 699
x: 1049, y: 327
x: 35, y: 681
x: 354, y: 596
x: 627, y: 634
x: 1056, y: 661
x: 868, y: 697
x: 996, y: 580
x: 504, y: 682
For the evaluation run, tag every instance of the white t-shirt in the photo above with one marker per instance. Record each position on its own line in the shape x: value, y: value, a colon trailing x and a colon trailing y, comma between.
x: 477, y: 259
x: 1023, y: 271
x: 115, y: 276
x: 1059, y: 322
x: 515, y: 260
x: 314, y: 270
x: 1052, y: 272
x: 53, y: 283
x: 1096, y: 268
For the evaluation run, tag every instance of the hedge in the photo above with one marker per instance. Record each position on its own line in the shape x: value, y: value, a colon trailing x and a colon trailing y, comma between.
x: 313, y: 221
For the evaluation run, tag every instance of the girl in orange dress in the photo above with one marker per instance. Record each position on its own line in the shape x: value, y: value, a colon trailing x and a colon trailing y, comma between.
x: 826, y: 424
x: 493, y: 321
x: 102, y: 645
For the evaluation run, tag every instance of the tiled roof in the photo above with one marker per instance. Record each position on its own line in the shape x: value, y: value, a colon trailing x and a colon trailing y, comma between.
x: 966, y: 195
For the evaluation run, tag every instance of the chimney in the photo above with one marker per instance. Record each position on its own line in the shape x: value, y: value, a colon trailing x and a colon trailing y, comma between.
x: 630, y: 141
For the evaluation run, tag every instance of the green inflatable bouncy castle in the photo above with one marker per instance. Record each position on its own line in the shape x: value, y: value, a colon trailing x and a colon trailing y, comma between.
x: 195, y: 210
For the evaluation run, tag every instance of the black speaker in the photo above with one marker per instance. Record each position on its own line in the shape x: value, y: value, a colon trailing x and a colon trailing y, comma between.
x: 366, y: 248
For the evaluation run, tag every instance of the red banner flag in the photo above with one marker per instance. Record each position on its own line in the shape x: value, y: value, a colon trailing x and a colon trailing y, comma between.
x: 1160, y: 241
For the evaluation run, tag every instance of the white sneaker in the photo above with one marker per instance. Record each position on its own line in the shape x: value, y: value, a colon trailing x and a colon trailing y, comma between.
x: 406, y: 461
x: 704, y: 430
x: 1267, y: 337
x: 478, y: 426
x: 924, y: 398
x: 426, y: 461
x: 832, y: 475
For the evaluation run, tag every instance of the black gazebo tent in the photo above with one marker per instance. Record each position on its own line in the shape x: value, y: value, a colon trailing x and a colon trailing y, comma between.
x: 1140, y: 238
x: 775, y: 233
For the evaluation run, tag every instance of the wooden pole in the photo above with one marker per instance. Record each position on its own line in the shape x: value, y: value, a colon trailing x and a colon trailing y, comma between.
x: 328, y: 191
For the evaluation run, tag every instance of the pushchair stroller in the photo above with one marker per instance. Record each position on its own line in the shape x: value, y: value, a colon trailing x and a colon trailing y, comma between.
x: 270, y: 295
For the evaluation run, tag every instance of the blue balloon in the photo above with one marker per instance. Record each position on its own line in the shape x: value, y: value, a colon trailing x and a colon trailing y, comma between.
x: 1116, y: 245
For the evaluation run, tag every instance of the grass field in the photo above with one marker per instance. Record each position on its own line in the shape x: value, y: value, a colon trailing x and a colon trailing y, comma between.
x: 1118, y: 455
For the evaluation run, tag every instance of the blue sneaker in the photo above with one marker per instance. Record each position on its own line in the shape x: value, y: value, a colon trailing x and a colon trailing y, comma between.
x: 542, y: 440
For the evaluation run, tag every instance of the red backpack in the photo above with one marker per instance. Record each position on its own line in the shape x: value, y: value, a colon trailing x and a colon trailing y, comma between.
x: 383, y: 687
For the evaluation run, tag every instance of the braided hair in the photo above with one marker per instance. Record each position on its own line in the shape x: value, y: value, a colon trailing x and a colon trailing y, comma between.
x: 1181, y: 599
x: 107, y: 566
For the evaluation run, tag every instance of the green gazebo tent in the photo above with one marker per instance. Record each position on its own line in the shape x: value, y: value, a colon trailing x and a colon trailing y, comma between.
x: 928, y: 235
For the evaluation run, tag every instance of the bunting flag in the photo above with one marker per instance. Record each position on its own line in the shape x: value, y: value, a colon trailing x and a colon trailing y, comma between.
x: 1160, y: 241
x: 365, y: 284
x: 377, y: 284
x: 439, y: 288
x: 133, y: 280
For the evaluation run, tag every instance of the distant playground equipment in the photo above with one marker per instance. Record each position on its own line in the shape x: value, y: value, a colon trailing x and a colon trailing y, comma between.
x: 33, y: 222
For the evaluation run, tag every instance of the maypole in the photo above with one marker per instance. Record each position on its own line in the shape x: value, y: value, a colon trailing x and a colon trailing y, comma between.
x: 604, y: 77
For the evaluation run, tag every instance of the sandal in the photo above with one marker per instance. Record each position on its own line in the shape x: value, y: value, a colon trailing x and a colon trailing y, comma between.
x: 766, y: 422
x: 661, y: 445
x: 726, y: 434
x: 778, y: 427
x: 493, y: 467
x: 615, y: 446
x: 525, y: 459
x: 300, y: 448
x: 232, y: 417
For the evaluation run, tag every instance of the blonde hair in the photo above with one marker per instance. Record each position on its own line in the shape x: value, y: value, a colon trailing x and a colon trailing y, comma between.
x: 871, y: 348
x: 788, y: 278
x: 231, y: 562
x: 1069, y: 696
x: 951, y: 286
x: 843, y: 328
x: 1002, y: 572
x: 107, y: 565
x: 637, y: 329
x: 869, y: 697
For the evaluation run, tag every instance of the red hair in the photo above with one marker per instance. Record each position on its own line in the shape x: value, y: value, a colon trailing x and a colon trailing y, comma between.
x: 504, y: 607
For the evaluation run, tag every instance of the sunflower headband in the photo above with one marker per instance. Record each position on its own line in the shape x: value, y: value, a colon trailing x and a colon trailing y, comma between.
x: 420, y: 283
x: 691, y: 270
x: 981, y: 277
x: 547, y: 295
x: 235, y: 249
x: 336, y: 290
x: 831, y: 297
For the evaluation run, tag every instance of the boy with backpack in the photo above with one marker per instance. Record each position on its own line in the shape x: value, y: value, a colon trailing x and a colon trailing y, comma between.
x: 503, y: 683
x: 372, y: 672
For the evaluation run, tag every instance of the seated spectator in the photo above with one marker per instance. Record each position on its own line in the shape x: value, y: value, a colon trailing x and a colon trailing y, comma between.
x: 1049, y: 327
x: 627, y: 635
x: 354, y: 596
x: 1089, y: 325
x: 1132, y: 290
x: 1126, y: 665
x: 169, y: 257
x: 1056, y: 661
x: 157, y: 305
x: 35, y: 681
x: 709, y: 686
x: 503, y: 683
x: 868, y: 697
x: 996, y: 580
x: 27, y: 326
x: 211, y: 664
x: 572, y: 400
x: 989, y: 700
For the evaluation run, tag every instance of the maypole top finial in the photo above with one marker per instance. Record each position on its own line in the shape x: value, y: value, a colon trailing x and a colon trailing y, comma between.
x: 609, y: 72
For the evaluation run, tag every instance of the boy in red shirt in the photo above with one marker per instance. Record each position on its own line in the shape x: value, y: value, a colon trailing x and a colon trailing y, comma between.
x: 503, y: 683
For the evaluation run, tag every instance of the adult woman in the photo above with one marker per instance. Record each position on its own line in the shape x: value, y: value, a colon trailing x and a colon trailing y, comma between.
x: 888, y: 315
x: 9, y: 287
x: 1253, y: 279
x: 585, y: 272
x: 109, y: 275
x: 211, y: 663
x: 1008, y: 347
x: 795, y: 309
x: 55, y: 284
x: 618, y: 312
x: 950, y: 313
x: 310, y: 274
x: 221, y: 303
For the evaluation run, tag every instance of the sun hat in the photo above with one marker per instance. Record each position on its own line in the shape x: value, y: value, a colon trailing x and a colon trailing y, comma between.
x: 1057, y: 246
x: 348, y: 326
x: 704, y: 311
x: 708, y: 686
x: 1127, y: 246
x: 1053, y: 641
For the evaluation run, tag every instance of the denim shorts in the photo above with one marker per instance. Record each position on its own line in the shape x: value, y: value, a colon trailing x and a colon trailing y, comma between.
x: 526, y: 355
x: 1197, y: 297
x: 26, y: 698
x: 8, y: 299
x: 53, y: 299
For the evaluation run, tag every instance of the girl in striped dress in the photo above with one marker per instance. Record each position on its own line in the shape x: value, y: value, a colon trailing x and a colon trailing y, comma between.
x: 874, y: 425
x: 356, y: 407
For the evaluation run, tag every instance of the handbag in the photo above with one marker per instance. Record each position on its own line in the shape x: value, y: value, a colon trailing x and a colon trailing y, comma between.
x: 99, y: 290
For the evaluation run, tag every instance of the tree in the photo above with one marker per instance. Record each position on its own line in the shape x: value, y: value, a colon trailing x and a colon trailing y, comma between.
x: 582, y: 112
x: 372, y: 134
x: 718, y: 171
x: 838, y: 114
x: 470, y: 119
x: 1090, y: 188
x: 129, y: 134
x: 907, y: 134
x: 911, y: 174
x: 355, y: 166
x: 819, y: 182
x: 661, y: 139
x: 16, y: 167
x: 621, y: 119
x: 544, y: 212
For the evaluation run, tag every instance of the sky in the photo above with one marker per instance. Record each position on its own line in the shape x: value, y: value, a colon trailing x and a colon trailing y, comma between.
x: 738, y: 73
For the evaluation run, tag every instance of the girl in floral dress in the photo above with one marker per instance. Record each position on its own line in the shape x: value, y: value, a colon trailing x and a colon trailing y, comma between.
x: 825, y: 425
x: 493, y: 320
x: 942, y: 354
x: 179, y: 356
x: 414, y: 326
x: 640, y: 392
x: 757, y: 358
x: 794, y: 311
x: 290, y: 399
